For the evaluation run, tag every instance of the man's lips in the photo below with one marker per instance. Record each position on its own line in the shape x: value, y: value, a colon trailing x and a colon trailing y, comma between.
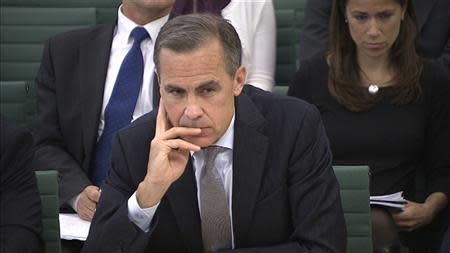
x: 204, y: 131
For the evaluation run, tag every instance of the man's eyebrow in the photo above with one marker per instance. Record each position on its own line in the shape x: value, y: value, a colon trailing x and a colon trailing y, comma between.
x: 207, y: 84
x: 172, y: 86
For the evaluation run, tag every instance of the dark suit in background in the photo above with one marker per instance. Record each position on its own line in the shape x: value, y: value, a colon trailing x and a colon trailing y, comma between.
x: 70, y: 86
x: 285, y: 194
x: 433, y: 23
x: 20, y: 217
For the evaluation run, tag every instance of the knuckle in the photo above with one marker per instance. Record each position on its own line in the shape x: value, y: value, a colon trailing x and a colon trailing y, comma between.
x: 155, y: 143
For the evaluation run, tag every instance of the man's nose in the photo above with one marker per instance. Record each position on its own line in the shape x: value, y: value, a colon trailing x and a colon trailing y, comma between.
x: 193, y: 110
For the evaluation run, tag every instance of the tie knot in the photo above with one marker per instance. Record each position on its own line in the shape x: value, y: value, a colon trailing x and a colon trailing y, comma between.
x: 139, y: 34
x: 211, y: 153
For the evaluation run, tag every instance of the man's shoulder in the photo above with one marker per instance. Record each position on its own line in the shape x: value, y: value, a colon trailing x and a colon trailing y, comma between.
x: 75, y: 36
x: 273, y: 104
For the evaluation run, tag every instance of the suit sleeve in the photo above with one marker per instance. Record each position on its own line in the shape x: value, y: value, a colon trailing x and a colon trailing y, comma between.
x: 314, y: 196
x: 314, y: 35
x: 51, y: 150
x: 111, y: 229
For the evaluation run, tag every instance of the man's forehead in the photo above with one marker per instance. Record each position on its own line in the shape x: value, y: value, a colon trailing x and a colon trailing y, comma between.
x: 199, y: 63
x: 210, y: 45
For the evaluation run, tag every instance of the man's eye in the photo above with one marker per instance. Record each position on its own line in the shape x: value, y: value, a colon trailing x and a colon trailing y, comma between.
x: 207, y: 91
x: 176, y: 92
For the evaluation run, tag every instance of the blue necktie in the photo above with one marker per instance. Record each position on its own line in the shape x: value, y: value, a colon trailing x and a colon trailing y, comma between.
x: 120, y: 108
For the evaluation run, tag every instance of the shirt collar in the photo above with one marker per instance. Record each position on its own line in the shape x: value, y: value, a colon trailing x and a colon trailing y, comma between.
x: 226, y: 141
x: 227, y: 138
x: 126, y: 25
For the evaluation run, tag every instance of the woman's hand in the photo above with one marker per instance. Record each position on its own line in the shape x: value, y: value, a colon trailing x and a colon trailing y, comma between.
x: 416, y: 215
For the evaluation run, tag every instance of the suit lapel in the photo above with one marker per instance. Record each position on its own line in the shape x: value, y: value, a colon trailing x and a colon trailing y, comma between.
x: 94, y: 58
x: 249, y: 155
x: 182, y: 196
x: 423, y: 9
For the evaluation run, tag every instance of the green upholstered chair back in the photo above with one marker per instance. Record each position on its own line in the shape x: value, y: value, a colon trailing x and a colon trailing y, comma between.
x: 354, y: 185
x: 289, y: 15
x: 48, y: 189
x: 106, y: 10
x: 280, y: 90
x: 286, y: 62
x: 25, y: 29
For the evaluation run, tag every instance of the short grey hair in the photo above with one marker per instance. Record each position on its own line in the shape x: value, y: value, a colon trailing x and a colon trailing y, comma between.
x: 187, y: 33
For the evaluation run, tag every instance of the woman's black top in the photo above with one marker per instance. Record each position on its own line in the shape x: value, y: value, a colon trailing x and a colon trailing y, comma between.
x: 396, y: 141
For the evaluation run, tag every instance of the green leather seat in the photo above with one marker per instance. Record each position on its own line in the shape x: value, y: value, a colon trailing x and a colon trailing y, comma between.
x: 106, y: 10
x: 48, y: 189
x: 288, y: 15
x: 106, y: 14
x: 354, y: 185
x: 17, y: 101
x: 287, y: 4
x: 280, y: 90
x: 286, y: 62
x: 23, y: 30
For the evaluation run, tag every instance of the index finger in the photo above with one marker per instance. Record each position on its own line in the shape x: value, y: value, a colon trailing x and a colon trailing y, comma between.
x: 161, y: 120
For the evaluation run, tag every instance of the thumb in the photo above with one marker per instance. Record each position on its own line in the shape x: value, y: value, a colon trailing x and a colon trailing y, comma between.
x: 94, y: 194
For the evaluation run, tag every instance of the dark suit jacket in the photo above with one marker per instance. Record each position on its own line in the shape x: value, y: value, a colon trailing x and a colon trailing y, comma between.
x: 433, y: 21
x: 70, y: 85
x: 20, y: 204
x: 285, y: 194
x: 445, y: 247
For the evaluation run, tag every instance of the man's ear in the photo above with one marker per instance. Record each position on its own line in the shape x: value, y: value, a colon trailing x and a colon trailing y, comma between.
x: 239, y: 80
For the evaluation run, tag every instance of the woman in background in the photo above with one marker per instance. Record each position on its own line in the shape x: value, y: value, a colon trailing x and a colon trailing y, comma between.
x: 384, y: 106
x: 254, y: 21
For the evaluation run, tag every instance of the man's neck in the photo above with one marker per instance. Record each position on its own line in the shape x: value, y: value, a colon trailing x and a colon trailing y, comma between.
x: 143, y: 16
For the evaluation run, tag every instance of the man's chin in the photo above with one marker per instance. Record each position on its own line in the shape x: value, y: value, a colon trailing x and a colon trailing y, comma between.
x: 201, y: 141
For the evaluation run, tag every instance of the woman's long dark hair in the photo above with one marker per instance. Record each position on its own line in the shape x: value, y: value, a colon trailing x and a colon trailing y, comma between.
x: 344, y: 74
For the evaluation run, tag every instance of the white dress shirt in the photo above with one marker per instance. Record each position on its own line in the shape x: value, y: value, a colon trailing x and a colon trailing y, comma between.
x: 224, y: 162
x: 121, y: 44
x: 254, y: 21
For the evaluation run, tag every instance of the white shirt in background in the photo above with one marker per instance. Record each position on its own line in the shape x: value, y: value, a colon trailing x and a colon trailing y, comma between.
x: 254, y: 21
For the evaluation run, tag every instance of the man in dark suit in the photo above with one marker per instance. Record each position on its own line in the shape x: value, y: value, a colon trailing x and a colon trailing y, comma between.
x: 20, y: 204
x: 433, y: 24
x: 74, y: 85
x: 269, y: 186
